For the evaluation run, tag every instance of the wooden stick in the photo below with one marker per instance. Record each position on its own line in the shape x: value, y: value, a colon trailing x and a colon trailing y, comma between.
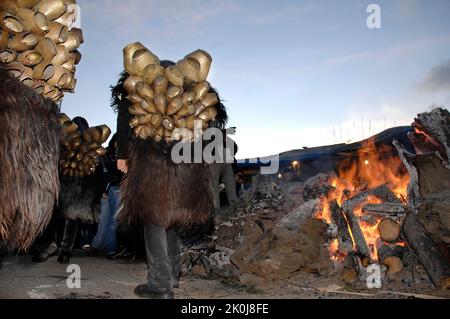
x: 382, y: 192
x: 436, y: 125
x: 385, y: 209
x: 358, y: 237
x: 344, y: 239
x: 414, y: 198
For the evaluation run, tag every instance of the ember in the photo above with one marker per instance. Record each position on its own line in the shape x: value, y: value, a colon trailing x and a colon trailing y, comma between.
x: 373, y: 167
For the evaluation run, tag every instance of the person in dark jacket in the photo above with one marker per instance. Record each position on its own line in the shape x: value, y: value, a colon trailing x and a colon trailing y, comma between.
x: 106, y: 237
x: 79, y: 201
x: 160, y: 195
x: 223, y: 174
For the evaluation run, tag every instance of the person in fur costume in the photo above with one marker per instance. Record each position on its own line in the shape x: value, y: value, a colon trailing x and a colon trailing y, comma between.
x: 79, y: 201
x: 164, y: 197
x: 29, y: 153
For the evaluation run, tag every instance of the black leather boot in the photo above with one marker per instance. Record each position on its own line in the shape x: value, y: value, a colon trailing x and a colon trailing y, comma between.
x: 49, y: 251
x: 64, y: 257
x: 143, y: 291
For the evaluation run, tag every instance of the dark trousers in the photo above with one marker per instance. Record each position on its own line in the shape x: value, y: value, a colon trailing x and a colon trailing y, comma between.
x: 70, y: 234
x: 132, y: 237
x: 163, y: 256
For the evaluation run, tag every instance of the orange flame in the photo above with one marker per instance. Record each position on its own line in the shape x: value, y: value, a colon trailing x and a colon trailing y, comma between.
x: 372, y: 167
x: 428, y: 139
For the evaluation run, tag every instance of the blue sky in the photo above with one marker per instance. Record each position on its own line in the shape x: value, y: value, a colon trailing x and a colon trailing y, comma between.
x: 291, y: 73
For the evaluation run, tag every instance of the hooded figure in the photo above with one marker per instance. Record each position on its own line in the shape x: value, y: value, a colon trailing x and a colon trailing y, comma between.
x: 160, y: 195
x: 79, y: 201
x: 80, y: 196
x: 29, y: 154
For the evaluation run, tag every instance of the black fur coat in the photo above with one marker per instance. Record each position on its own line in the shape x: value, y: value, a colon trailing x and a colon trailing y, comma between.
x: 157, y: 191
x: 79, y: 198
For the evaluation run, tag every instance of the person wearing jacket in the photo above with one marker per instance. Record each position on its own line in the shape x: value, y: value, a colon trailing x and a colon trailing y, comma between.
x: 160, y: 195
x: 79, y: 201
x: 222, y: 173
x: 106, y: 237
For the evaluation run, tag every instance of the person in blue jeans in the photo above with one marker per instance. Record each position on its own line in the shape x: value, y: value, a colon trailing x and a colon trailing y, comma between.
x: 106, y: 237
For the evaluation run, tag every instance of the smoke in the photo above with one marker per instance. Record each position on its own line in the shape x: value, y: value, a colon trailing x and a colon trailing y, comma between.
x: 437, y: 79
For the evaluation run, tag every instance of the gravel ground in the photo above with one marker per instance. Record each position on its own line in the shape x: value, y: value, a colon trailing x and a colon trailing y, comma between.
x: 100, y: 279
x: 105, y: 279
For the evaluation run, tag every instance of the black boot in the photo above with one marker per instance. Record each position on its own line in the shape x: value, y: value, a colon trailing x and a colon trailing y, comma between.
x: 42, y: 256
x: 144, y: 292
x: 64, y: 257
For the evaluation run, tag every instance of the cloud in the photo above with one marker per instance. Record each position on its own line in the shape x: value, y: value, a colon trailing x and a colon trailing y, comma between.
x: 156, y: 17
x: 408, y: 8
x: 360, y: 119
x: 271, y: 17
x: 437, y: 79
x: 387, y: 54
x: 177, y: 17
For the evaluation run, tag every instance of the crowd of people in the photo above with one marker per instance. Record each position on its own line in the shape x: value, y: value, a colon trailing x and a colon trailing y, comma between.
x: 103, y: 213
x: 96, y: 235
x: 61, y: 190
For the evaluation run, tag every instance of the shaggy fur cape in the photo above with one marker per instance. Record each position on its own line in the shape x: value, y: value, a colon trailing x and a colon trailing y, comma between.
x: 79, y: 198
x: 157, y: 191
x: 29, y: 154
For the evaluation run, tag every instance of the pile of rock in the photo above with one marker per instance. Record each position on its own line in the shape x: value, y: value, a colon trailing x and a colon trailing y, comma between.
x: 263, y: 239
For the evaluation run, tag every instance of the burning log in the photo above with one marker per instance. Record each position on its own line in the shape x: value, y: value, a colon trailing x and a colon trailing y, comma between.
x: 344, y: 239
x: 427, y: 225
x: 436, y: 265
x: 433, y: 128
x: 389, y: 230
x: 358, y: 237
x: 318, y: 186
x: 384, y: 209
x: 382, y: 192
x: 428, y: 191
x: 414, y: 198
x: 385, y: 194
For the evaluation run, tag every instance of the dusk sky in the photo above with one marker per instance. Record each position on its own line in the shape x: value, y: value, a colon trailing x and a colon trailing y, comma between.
x: 291, y: 73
